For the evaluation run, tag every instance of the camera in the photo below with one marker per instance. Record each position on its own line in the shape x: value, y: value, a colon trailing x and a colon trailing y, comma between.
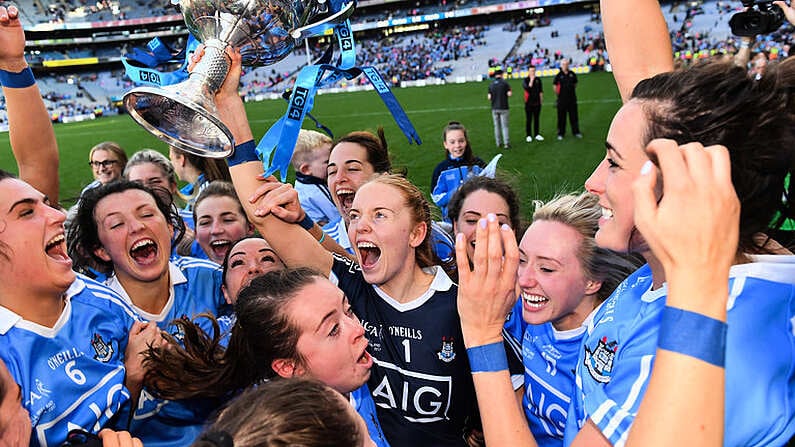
x: 761, y: 17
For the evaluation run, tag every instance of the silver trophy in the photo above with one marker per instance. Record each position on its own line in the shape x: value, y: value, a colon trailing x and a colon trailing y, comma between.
x: 266, y: 31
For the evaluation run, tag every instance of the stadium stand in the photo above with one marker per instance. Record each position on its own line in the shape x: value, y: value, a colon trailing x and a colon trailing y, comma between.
x: 409, y: 42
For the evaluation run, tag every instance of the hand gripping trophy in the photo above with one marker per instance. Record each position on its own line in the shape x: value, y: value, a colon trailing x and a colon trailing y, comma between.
x: 266, y: 31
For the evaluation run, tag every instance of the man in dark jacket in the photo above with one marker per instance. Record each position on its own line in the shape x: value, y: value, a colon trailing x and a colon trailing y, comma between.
x: 565, y: 84
x: 499, y: 92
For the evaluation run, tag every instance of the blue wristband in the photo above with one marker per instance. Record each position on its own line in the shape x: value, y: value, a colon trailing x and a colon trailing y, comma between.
x: 693, y: 335
x: 307, y: 223
x: 21, y: 79
x: 487, y: 358
x: 244, y: 152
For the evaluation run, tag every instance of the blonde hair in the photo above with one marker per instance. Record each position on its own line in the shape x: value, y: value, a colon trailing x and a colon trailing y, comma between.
x: 308, y: 142
x: 581, y: 212
x: 112, y: 147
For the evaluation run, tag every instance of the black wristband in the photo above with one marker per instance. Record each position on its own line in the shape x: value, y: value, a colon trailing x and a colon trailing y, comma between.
x: 307, y: 223
x: 243, y: 153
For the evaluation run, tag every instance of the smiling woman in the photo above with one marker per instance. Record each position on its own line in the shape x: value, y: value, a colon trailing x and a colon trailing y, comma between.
x: 127, y: 229
x: 49, y: 312
x: 107, y: 161
x: 219, y: 219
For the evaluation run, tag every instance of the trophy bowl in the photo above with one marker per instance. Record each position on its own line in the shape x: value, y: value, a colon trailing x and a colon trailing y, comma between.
x: 265, y: 31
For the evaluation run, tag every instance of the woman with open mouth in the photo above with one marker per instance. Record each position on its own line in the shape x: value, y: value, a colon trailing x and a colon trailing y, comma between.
x: 707, y: 359
x: 406, y: 302
x: 478, y: 197
x: 289, y: 323
x: 562, y: 278
x: 127, y: 229
x: 70, y: 344
x: 355, y: 159
x: 220, y: 220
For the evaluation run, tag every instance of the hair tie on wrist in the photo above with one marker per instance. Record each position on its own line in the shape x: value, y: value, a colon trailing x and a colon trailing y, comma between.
x: 22, y: 79
x: 307, y: 223
x: 244, y: 152
x: 487, y: 358
x: 219, y: 438
x: 694, y: 335
x: 322, y: 238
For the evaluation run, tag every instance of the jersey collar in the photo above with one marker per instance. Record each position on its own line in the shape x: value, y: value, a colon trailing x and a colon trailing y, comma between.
x: 9, y: 319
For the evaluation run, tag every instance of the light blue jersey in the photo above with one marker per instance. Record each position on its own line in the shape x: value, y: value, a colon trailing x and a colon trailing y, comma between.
x: 71, y: 375
x: 549, y: 357
x: 196, y: 288
x: 362, y: 401
x: 618, y: 354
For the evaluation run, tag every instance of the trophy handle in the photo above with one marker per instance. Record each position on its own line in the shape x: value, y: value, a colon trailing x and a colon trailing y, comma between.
x: 319, y: 27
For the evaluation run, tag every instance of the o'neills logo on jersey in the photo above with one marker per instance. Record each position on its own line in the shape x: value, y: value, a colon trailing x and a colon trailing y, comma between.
x: 446, y: 354
x: 104, y: 351
x: 600, y: 361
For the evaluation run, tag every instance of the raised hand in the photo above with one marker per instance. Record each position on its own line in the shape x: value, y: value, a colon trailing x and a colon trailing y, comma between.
x: 142, y: 335
x: 694, y: 229
x: 789, y: 11
x: 279, y: 199
x: 12, y: 40
x: 486, y: 293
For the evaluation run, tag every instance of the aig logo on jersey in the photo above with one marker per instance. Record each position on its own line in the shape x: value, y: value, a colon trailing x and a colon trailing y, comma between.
x: 104, y: 351
x: 446, y: 354
x: 600, y: 361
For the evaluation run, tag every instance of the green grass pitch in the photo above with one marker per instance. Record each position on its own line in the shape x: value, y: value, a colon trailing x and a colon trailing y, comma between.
x: 539, y: 169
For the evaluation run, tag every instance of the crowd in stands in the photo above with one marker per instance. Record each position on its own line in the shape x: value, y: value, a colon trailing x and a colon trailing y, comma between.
x: 421, y: 56
x: 432, y: 53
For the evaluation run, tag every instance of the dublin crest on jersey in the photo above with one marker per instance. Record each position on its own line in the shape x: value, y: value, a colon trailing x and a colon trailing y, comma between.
x: 600, y: 361
x: 104, y: 351
x: 446, y: 354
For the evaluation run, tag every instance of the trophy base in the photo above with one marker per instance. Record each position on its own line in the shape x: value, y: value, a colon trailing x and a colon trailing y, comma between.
x: 187, y: 123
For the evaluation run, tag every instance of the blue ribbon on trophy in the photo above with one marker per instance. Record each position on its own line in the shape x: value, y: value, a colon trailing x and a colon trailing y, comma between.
x: 276, y: 147
x: 141, y: 66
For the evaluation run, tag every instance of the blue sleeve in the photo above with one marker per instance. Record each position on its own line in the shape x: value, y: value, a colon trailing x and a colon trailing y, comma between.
x: 512, y: 335
x: 435, y: 177
x: 443, y: 243
x: 366, y: 409
x: 612, y: 406
x: 440, y: 194
x: 513, y: 331
x: 319, y: 209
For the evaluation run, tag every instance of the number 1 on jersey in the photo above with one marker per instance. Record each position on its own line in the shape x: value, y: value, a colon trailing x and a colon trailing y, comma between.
x: 406, y: 350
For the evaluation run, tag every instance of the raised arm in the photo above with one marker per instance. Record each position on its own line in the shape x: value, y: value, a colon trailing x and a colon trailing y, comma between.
x: 292, y: 243
x: 687, y: 385
x: 29, y: 127
x: 485, y: 296
x: 637, y: 41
